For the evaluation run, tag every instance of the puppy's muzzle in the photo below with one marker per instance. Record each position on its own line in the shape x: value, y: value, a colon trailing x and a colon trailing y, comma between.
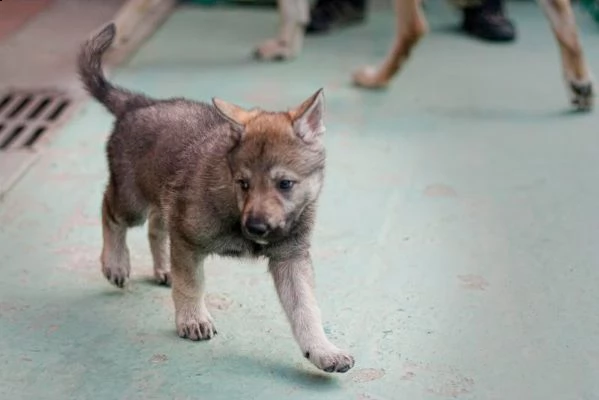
x: 257, y: 228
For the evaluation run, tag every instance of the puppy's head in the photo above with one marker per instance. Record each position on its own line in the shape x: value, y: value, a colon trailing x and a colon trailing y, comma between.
x: 277, y: 165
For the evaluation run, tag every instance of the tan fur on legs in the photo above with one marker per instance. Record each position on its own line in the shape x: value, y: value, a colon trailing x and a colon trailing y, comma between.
x: 575, y: 69
x: 158, y: 238
x: 294, y: 16
x: 193, y: 320
x: 411, y: 25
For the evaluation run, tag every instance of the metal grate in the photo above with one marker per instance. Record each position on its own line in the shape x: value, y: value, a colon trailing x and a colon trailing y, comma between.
x: 26, y: 116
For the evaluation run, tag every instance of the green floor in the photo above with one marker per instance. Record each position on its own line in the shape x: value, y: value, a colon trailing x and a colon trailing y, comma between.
x: 456, y: 251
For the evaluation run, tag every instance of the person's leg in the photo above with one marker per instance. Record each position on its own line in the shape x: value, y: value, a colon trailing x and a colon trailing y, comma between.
x: 328, y: 14
x: 486, y: 20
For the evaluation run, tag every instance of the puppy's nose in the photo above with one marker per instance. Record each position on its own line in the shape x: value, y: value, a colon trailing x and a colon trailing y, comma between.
x: 256, y: 226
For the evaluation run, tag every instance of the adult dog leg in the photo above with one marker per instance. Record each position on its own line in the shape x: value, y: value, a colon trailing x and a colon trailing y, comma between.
x: 294, y: 282
x: 411, y: 26
x: 294, y: 16
x: 575, y: 68
x: 187, y: 273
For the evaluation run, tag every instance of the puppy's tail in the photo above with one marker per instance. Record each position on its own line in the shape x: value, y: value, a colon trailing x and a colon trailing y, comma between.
x: 117, y: 100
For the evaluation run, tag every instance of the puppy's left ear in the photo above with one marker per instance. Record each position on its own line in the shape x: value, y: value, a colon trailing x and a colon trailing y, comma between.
x: 308, y: 118
x: 237, y: 116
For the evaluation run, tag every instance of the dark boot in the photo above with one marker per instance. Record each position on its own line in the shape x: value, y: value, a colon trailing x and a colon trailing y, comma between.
x: 329, y: 14
x: 488, y: 22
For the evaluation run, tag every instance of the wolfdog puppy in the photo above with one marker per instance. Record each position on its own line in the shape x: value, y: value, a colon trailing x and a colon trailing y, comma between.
x: 214, y: 179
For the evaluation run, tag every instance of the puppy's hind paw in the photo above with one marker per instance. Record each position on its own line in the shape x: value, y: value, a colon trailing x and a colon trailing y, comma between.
x: 162, y: 278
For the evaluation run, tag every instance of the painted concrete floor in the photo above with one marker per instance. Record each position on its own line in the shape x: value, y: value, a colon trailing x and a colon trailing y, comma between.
x: 456, y: 250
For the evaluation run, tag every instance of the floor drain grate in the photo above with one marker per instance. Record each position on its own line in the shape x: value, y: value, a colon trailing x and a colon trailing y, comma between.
x: 26, y: 116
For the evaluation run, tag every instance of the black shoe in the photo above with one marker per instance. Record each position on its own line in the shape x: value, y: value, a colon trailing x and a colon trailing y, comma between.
x: 488, y: 25
x: 328, y: 14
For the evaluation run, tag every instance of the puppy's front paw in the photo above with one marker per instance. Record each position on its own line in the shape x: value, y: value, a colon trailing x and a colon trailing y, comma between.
x: 116, y: 269
x: 273, y: 50
x: 195, y: 325
x: 331, y: 360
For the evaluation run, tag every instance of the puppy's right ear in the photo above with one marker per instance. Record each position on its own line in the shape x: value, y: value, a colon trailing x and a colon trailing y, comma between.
x: 237, y: 116
x: 308, y: 118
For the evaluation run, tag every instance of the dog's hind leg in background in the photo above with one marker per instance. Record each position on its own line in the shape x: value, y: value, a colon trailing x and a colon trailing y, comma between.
x: 294, y: 16
x: 575, y: 68
x: 411, y: 26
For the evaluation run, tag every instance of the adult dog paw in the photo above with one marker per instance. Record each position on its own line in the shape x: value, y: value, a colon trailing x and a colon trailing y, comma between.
x: 370, y: 77
x: 273, y: 50
x: 581, y: 94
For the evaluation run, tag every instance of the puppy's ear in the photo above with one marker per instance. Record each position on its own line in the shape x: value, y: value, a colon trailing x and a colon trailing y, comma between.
x: 308, y: 117
x: 237, y: 116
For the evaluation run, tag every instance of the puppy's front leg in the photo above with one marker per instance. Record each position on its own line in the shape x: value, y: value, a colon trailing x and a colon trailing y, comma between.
x: 294, y: 16
x: 294, y: 282
x: 187, y: 273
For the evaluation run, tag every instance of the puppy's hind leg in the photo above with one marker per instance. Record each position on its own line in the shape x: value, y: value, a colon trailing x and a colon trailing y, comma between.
x: 158, y: 238
x: 119, y: 212
x: 294, y: 16
x: 411, y: 25
x: 575, y: 68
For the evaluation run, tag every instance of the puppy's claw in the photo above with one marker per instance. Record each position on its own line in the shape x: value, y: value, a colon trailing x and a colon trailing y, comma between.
x: 334, y: 360
x: 198, y: 327
x: 163, y: 278
x: 344, y: 369
x: 117, y: 277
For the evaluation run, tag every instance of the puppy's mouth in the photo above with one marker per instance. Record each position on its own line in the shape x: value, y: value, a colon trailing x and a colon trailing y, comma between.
x: 260, y: 241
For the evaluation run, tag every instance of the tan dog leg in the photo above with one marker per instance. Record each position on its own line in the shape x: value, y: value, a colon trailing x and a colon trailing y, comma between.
x: 575, y: 69
x: 187, y: 272
x: 411, y: 26
x: 158, y: 238
x: 294, y: 16
x: 294, y: 282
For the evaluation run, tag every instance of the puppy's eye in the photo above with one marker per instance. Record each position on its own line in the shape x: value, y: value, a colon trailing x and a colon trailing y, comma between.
x: 243, y: 184
x: 286, y: 184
